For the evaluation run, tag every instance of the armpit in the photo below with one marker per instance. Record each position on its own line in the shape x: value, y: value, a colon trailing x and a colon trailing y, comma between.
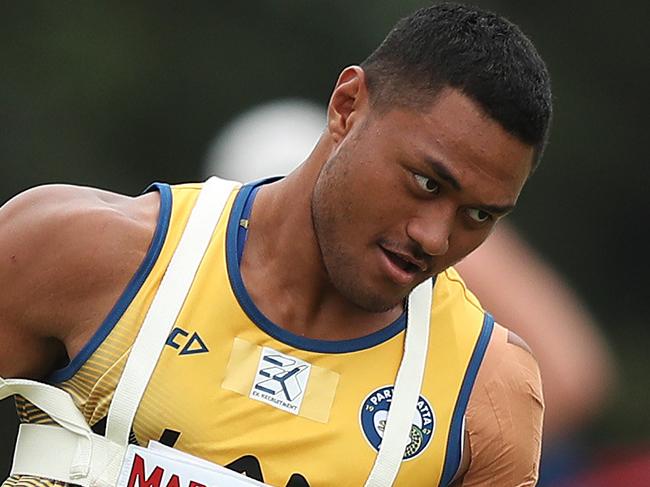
x: 504, y: 416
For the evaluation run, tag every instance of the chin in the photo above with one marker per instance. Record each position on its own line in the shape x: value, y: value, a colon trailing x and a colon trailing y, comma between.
x: 362, y: 288
x: 369, y: 301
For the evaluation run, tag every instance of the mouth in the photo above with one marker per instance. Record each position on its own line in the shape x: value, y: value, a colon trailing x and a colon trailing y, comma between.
x: 401, y: 268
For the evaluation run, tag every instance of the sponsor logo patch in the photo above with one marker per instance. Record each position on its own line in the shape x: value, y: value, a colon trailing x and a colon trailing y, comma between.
x: 280, y: 380
x: 374, y: 412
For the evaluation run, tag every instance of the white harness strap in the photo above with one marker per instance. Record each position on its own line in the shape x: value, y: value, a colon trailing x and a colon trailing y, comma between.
x: 57, y: 453
x: 407, y: 389
x: 57, y: 404
x: 165, y: 308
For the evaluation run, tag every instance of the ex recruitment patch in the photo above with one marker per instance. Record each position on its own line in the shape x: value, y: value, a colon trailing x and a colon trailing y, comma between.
x: 282, y: 381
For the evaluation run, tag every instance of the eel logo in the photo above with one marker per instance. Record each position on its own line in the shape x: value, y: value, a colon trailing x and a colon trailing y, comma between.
x: 373, y: 414
x: 189, y: 346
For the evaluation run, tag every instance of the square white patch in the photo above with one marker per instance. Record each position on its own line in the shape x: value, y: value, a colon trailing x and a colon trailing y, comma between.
x: 280, y: 380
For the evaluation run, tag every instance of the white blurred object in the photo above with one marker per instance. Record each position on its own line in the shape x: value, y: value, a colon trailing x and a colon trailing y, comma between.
x: 268, y: 140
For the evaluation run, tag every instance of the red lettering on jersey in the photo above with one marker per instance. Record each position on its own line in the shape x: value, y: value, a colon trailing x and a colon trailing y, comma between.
x: 174, y: 481
x: 195, y: 484
x: 137, y: 476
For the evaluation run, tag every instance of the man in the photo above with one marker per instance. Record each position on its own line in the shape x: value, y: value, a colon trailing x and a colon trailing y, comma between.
x: 283, y: 358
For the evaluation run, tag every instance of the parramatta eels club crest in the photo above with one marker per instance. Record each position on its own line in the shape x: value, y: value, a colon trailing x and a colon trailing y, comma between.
x: 374, y: 412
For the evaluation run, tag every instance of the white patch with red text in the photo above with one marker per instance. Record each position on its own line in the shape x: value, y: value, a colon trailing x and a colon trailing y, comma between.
x: 161, y: 466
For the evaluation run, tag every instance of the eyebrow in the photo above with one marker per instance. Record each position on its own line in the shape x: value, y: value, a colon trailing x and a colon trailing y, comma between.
x: 497, y: 209
x: 443, y: 173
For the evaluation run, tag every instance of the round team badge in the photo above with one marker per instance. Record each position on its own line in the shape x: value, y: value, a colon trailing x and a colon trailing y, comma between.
x: 374, y: 412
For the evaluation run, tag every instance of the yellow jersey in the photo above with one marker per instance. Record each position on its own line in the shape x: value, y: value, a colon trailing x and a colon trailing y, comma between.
x: 237, y: 389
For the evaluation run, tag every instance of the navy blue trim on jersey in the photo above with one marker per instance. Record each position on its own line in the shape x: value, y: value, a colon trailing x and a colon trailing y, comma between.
x: 131, y: 290
x: 245, y: 215
x: 235, y: 240
x: 455, y: 438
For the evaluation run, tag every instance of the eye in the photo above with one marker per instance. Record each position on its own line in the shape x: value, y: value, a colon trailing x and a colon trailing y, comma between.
x: 479, y: 216
x: 427, y: 184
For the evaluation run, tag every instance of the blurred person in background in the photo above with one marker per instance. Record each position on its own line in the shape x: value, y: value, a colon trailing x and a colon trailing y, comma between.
x: 422, y: 154
x: 512, y: 281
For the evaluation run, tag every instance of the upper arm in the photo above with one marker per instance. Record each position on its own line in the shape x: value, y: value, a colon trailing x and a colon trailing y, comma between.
x: 504, y: 416
x: 64, y: 251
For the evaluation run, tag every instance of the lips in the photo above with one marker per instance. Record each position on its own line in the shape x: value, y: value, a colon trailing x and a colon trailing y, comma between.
x: 401, y: 268
x: 401, y: 262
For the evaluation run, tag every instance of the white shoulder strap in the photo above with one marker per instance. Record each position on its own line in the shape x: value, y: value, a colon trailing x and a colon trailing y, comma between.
x: 165, y: 308
x: 407, y: 389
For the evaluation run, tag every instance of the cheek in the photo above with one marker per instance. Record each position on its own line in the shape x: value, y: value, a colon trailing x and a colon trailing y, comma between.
x: 376, y: 214
x: 365, y: 194
x: 384, y: 197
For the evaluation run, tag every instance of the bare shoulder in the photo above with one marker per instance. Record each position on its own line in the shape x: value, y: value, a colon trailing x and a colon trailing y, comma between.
x: 507, y: 358
x: 504, y: 416
x: 66, y: 253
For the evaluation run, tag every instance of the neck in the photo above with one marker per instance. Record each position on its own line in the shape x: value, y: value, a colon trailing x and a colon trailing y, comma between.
x: 282, y: 267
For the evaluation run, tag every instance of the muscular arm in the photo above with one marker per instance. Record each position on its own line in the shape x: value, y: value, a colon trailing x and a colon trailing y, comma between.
x: 66, y: 254
x: 504, y: 417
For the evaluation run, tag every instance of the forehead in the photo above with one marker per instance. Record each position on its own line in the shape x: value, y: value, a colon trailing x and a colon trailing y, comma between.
x: 453, y: 130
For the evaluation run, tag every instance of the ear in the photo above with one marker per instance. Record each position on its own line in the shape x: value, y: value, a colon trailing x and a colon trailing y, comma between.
x: 349, y: 102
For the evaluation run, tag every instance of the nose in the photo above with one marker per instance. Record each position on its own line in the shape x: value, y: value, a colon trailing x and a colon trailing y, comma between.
x: 432, y: 229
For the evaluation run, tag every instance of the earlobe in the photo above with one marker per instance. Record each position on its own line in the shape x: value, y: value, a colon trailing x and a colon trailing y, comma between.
x: 349, y: 101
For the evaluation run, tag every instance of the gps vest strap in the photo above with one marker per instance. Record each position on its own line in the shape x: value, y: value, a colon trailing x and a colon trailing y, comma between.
x: 165, y: 308
x: 407, y: 389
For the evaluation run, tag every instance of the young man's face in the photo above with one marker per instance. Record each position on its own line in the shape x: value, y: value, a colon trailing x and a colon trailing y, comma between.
x: 408, y: 194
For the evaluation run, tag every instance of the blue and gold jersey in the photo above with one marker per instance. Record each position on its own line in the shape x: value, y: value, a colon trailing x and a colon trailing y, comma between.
x: 236, y: 389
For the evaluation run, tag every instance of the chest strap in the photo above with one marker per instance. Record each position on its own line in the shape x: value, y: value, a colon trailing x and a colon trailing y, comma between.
x: 166, y: 306
x: 407, y: 389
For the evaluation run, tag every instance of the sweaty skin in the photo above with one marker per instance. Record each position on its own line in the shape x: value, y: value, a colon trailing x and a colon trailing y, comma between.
x: 422, y: 188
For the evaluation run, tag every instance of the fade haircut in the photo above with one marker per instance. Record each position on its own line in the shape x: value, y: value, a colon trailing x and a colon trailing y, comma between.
x: 481, y: 54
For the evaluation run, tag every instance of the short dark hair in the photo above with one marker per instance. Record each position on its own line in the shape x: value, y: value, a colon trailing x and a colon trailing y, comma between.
x: 475, y: 51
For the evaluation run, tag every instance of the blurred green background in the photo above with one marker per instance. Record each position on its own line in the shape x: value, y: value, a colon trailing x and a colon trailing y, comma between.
x: 118, y: 94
